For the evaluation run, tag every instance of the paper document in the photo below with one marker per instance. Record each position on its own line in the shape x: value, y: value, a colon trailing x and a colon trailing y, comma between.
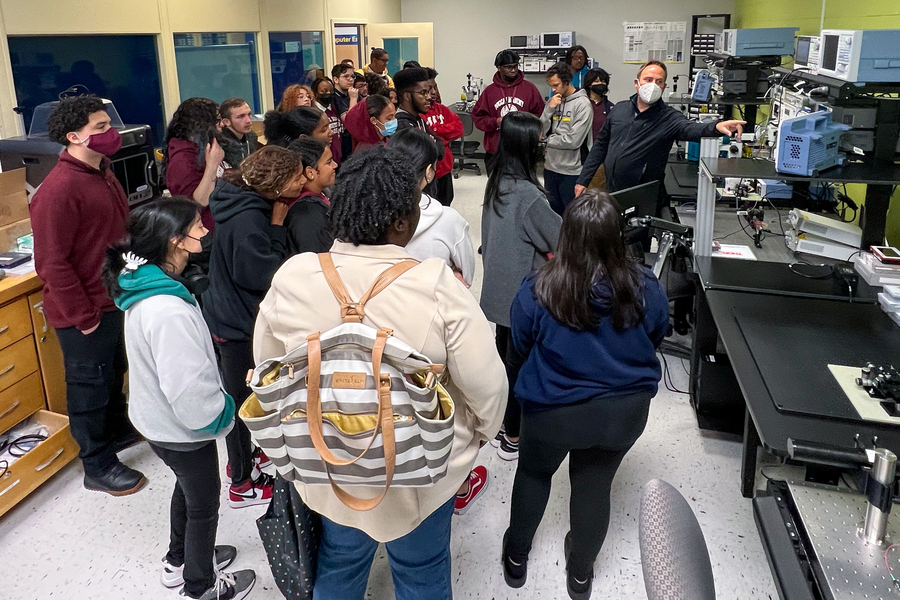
x: 738, y: 251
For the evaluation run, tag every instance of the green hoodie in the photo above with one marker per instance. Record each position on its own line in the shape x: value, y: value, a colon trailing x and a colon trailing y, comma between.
x: 147, y: 281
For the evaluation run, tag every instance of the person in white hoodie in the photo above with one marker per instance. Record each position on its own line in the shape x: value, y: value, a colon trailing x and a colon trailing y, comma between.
x: 176, y: 398
x: 566, y: 121
x: 442, y: 232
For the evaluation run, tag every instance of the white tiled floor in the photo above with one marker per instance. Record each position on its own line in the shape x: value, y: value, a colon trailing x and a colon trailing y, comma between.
x: 65, y: 542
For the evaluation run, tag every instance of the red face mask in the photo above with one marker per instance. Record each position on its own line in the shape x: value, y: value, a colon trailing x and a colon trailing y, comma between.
x: 107, y: 143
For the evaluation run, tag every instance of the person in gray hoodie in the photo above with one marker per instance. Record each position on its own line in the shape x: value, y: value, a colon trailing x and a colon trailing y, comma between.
x: 518, y: 231
x: 176, y: 398
x: 566, y: 120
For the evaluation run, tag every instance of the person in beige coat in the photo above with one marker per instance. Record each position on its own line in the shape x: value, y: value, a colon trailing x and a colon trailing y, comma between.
x: 375, y: 210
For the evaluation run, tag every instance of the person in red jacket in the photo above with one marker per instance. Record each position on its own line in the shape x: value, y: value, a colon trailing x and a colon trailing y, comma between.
x: 76, y: 213
x: 446, y: 126
x: 371, y: 122
x: 509, y: 93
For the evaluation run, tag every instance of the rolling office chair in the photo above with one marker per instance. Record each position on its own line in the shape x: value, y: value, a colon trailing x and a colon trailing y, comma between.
x: 674, y: 556
x: 462, y: 149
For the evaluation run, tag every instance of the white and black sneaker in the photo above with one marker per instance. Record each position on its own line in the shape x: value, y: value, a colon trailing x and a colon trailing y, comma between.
x: 228, y: 586
x: 500, y: 435
x: 508, y: 450
x: 173, y: 576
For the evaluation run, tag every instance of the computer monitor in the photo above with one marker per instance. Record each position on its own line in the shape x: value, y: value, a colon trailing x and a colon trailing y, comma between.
x: 638, y: 201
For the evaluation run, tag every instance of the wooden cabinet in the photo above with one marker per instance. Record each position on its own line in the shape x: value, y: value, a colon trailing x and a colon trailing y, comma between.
x: 53, y: 370
x: 32, y: 378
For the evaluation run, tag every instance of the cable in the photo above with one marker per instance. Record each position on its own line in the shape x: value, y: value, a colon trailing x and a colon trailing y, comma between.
x: 888, y: 566
x: 667, y: 378
x: 793, y: 267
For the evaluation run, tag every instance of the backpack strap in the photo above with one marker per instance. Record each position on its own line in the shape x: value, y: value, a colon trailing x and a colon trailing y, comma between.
x: 354, y: 312
x: 385, y: 421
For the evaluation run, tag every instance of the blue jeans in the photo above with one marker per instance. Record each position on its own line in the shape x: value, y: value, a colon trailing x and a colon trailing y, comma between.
x: 420, y: 560
x: 561, y: 188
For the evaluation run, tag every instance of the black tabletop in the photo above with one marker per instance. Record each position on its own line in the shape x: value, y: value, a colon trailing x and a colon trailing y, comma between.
x: 794, y: 371
x: 774, y: 278
x: 757, y: 168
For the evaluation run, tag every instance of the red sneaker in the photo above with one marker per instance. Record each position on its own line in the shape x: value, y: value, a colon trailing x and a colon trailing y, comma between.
x: 260, y: 459
x: 251, y: 492
x: 255, y: 472
x: 478, y: 482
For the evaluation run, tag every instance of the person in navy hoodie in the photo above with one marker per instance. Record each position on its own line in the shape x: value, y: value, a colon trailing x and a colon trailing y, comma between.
x: 587, y: 326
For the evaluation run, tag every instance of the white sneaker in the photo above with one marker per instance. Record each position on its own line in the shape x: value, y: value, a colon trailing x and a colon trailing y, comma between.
x: 173, y: 576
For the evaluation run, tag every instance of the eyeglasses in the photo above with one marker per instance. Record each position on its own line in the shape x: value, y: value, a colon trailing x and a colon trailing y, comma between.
x: 425, y: 93
x: 512, y: 67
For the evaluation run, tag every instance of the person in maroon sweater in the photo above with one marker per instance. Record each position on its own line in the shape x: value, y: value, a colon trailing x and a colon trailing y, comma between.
x: 193, y: 159
x: 446, y: 126
x: 77, y: 212
x: 509, y: 93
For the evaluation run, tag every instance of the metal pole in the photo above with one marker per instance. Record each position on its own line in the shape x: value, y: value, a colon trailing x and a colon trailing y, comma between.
x: 883, y: 471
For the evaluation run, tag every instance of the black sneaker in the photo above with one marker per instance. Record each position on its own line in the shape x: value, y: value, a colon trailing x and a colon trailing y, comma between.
x: 118, y: 481
x: 173, y: 576
x: 508, y: 450
x: 515, y: 575
x: 127, y: 440
x: 497, y: 438
x: 578, y: 590
x: 228, y: 586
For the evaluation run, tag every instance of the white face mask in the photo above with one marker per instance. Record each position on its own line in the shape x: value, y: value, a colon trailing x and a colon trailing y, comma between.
x: 650, y: 92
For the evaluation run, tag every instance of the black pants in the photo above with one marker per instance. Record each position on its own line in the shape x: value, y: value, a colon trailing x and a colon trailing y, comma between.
x: 512, y: 360
x: 235, y: 359
x: 194, y: 514
x: 488, y: 162
x: 95, y: 371
x: 561, y: 188
x: 445, y: 189
x: 596, y: 435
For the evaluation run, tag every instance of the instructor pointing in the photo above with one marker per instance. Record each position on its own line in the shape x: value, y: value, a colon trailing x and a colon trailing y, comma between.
x: 634, y: 143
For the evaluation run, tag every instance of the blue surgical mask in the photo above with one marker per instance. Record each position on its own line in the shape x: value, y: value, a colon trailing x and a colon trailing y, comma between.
x: 390, y: 128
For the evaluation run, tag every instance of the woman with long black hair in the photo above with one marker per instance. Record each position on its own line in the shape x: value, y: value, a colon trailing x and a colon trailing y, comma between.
x: 176, y: 397
x: 193, y: 158
x: 518, y: 232
x: 588, y: 326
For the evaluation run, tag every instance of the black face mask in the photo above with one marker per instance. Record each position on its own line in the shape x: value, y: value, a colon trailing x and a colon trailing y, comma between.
x: 325, y: 99
x: 600, y: 89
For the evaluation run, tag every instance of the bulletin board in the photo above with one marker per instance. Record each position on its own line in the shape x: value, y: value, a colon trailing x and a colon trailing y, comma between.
x: 654, y: 40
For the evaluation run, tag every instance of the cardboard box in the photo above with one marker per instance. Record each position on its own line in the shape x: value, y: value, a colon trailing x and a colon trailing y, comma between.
x: 10, y: 233
x: 13, y: 198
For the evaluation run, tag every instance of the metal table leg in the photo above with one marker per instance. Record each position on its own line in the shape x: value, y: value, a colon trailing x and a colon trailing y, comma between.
x: 748, y: 456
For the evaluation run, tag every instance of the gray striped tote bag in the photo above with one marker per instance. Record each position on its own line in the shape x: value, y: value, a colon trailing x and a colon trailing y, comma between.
x: 353, y: 406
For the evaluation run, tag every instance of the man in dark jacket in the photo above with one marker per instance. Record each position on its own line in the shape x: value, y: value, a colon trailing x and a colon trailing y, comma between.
x: 79, y: 210
x: 636, y: 138
x: 415, y: 95
x: 509, y: 93
x: 237, y: 120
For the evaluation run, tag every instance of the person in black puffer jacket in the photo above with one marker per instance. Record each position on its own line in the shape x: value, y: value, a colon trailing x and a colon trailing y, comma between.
x: 250, y: 245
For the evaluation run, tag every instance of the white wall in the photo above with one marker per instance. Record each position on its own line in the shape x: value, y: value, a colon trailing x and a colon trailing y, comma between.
x: 469, y: 33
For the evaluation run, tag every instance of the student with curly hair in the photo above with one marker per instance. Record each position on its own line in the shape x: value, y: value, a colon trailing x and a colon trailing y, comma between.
x: 249, y: 246
x: 76, y: 213
x: 193, y: 158
x: 375, y: 209
x: 293, y: 96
